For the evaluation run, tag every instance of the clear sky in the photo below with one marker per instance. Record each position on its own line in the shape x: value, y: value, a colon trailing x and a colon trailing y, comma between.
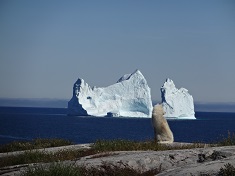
x: 46, y: 45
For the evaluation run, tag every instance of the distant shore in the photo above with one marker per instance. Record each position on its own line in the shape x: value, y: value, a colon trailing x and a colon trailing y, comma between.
x: 63, y: 103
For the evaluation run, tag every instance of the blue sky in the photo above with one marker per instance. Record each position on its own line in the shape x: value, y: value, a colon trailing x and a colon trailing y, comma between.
x: 46, y: 45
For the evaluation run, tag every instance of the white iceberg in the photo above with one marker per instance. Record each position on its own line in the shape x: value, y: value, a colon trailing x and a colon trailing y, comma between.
x: 177, y: 103
x: 129, y: 97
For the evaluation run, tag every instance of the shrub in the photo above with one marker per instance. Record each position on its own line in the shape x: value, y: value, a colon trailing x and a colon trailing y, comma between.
x: 229, y: 170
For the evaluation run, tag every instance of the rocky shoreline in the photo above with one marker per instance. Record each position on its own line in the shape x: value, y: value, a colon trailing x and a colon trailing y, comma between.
x: 197, y: 161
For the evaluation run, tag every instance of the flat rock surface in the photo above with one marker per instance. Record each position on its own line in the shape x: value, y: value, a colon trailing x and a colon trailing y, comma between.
x: 197, y: 161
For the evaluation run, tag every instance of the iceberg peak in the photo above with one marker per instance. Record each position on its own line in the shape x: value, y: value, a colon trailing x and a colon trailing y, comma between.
x: 177, y: 103
x: 136, y: 73
x: 129, y: 97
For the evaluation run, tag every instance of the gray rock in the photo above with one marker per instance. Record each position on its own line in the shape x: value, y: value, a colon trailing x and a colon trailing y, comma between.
x: 197, y: 161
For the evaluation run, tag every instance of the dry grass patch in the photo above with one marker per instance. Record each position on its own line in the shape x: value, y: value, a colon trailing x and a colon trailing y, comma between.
x: 126, y: 145
x: 228, y: 141
x: 34, y: 144
x: 101, y: 148
x: 44, y: 157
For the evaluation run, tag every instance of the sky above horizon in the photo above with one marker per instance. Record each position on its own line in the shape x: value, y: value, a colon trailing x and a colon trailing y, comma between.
x: 46, y: 45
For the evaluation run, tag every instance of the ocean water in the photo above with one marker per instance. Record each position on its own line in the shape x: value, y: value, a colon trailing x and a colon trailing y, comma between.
x: 18, y: 123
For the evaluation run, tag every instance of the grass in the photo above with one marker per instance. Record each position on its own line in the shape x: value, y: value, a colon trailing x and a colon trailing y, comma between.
x: 34, y: 144
x: 101, y: 147
x: 228, y: 141
x: 58, y: 170
x: 127, y: 145
x: 106, y: 169
x: 42, y: 156
x: 106, y: 145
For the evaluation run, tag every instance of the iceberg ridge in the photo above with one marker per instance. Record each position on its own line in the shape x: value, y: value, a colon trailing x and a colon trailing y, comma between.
x: 129, y: 97
x: 177, y: 103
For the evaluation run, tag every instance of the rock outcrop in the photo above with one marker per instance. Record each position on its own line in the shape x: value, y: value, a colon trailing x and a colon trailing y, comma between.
x: 197, y: 161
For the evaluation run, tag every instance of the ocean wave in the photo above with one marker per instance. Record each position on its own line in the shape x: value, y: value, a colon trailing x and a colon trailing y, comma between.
x: 13, y: 137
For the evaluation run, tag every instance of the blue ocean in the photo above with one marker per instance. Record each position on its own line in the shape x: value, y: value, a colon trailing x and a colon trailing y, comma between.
x: 20, y: 123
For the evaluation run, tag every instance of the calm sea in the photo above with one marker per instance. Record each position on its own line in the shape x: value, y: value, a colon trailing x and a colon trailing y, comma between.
x: 18, y: 123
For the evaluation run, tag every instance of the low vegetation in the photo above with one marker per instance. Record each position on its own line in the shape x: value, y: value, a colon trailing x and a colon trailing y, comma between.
x: 45, y: 157
x: 228, y: 170
x: 106, y: 169
x: 228, y: 141
x: 34, y: 144
x: 127, y: 145
x: 101, y: 148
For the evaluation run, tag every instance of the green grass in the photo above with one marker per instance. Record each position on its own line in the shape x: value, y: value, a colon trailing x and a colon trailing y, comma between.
x: 55, y: 169
x: 42, y: 156
x: 34, y: 144
x: 106, y: 169
x: 101, y: 147
x: 104, y: 145
x: 127, y: 145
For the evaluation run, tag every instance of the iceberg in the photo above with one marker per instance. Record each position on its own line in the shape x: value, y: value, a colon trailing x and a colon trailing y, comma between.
x: 130, y: 96
x: 177, y: 103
